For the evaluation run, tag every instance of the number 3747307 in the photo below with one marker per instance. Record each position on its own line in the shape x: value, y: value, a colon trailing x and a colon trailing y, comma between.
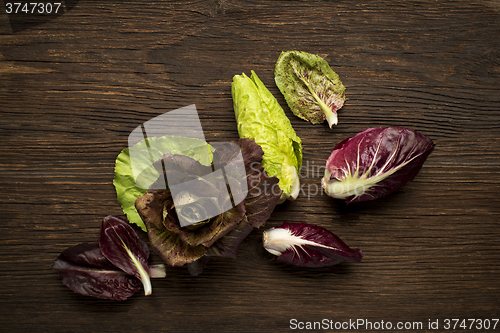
x: 480, y: 324
x: 33, y: 7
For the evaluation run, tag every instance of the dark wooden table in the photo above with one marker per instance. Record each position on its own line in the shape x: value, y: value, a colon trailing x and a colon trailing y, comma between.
x: 74, y: 87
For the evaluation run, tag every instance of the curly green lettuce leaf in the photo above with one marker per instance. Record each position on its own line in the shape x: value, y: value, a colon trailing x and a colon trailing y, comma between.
x: 261, y: 118
x: 127, y: 190
x: 312, y: 90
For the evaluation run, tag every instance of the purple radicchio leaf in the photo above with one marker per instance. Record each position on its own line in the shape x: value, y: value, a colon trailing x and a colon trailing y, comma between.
x: 121, y: 245
x: 375, y: 163
x: 308, y: 245
x: 86, y: 271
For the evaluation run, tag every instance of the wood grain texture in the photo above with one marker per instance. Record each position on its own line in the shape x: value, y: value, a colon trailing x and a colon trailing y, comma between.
x: 72, y: 89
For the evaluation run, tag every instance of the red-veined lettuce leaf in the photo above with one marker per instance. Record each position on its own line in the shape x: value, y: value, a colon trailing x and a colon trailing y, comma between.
x: 375, y: 163
x: 308, y: 245
x: 121, y: 245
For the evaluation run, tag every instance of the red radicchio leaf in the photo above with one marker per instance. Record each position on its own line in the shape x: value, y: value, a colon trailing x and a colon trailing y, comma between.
x: 308, y: 245
x: 85, y: 270
x: 375, y: 163
x: 121, y: 245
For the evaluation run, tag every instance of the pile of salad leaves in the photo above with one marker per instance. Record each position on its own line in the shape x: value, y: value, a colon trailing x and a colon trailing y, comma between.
x: 216, y: 236
x: 368, y: 166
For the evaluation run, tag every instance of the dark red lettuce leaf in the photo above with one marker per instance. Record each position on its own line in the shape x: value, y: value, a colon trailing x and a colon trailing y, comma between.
x: 121, y: 245
x: 172, y: 250
x: 228, y: 245
x: 222, y: 234
x: 375, y: 163
x: 165, y: 242
x: 86, y: 271
x: 308, y: 245
x: 263, y: 191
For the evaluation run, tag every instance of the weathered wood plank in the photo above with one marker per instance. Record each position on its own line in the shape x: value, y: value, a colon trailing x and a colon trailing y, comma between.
x: 72, y: 89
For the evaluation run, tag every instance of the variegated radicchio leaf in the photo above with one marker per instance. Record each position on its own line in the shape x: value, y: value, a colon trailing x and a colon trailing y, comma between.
x: 121, y: 245
x: 308, y: 245
x: 375, y: 163
x: 312, y: 90
x: 221, y: 234
x: 108, y: 269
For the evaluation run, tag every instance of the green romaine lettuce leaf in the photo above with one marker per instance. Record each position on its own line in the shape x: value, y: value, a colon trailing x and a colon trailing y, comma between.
x: 312, y: 90
x: 127, y: 191
x: 261, y: 118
